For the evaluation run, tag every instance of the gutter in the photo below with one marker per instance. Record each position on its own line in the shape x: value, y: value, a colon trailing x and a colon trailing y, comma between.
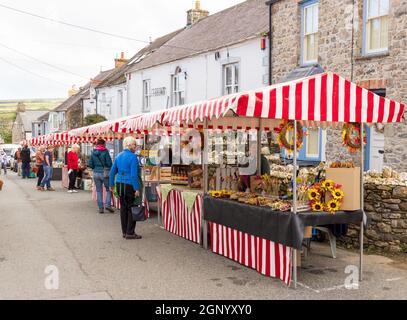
x: 270, y: 3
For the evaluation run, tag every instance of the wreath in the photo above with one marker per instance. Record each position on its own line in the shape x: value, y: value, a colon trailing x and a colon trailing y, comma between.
x: 379, y: 127
x: 282, y: 139
x: 352, y: 142
x: 318, y: 196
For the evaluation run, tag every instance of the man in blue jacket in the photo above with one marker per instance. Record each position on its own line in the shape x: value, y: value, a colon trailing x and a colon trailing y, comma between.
x: 127, y: 173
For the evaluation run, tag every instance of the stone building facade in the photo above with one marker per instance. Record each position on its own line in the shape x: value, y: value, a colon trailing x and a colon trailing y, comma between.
x: 340, y: 50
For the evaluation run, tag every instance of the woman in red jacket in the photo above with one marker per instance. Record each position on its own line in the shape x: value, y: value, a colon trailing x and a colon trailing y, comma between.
x: 73, y: 167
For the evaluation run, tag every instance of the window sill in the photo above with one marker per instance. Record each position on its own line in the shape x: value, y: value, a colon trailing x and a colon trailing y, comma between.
x: 368, y: 56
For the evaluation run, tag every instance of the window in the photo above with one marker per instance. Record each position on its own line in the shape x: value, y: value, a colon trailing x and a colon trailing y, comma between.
x: 231, y: 78
x: 146, y: 95
x: 309, y: 33
x: 178, y: 89
x: 376, y: 25
x: 312, y: 143
x: 55, y: 121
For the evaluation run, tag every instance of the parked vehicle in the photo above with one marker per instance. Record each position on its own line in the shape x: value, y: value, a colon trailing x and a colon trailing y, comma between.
x: 10, y: 150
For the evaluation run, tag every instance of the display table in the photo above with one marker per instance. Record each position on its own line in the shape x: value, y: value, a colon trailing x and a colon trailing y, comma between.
x: 181, y: 211
x: 260, y: 238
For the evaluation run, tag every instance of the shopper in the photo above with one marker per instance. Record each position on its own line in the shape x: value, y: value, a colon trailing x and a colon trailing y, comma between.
x: 126, y: 171
x: 47, y: 165
x: 72, y: 160
x: 3, y: 162
x: 39, y: 160
x: 26, y: 160
x: 101, y: 163
x: 19, y: 163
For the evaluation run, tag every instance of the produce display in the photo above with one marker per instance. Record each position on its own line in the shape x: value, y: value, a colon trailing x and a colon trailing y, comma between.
x: 388, y: 176
x: 253, y: 199
x: 165, y: 174
x: 179, y: 174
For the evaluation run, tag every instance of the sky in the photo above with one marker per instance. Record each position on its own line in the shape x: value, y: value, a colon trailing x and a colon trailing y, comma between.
x: 81, y: 52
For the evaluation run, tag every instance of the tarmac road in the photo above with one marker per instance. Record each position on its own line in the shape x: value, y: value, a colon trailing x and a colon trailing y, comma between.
x: 39, y: 229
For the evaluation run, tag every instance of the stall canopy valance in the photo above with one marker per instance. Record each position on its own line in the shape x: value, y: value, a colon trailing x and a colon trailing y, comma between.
x: 325, y: 97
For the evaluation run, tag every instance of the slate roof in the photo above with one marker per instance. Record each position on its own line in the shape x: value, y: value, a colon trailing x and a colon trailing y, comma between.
x: 236, y: 24
x: 119, y: 76
x: 28, y: 117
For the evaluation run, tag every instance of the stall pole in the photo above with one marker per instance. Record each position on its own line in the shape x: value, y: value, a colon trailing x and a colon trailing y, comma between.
x: 204, y: 223
x: 362, y: 200
x: 295, y: 200
x: 259, y: 149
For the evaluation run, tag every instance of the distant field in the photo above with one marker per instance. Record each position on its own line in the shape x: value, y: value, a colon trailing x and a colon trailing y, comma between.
x: 10, y: 106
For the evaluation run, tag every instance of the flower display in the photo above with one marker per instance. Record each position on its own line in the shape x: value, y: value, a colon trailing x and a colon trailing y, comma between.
x: 318, y: 196
x: 317, y: 206
x: 333, y: 205
x: 327, y: 185
x: 337, y: 194
x: 314, y: 194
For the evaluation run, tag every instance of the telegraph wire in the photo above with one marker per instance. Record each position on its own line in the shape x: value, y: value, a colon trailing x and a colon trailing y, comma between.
x: 33, y: 73
x: 87, y: 28
x: 43, y: 62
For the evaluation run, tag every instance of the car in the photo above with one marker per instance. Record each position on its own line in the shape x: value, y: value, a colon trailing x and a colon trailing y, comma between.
x: 10, y: 150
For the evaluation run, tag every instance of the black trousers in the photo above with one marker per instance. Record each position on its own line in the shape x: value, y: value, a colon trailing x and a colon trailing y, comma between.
x: 40, y: 175
x: 126, y: 194
x: 72, y: 180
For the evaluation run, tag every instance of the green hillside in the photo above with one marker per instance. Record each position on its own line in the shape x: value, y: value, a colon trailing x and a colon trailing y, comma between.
x: 8, y: 112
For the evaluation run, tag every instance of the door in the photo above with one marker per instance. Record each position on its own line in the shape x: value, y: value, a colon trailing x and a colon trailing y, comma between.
x: 374, y: 150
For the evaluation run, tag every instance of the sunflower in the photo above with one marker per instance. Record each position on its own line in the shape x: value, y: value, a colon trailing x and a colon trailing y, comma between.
x: 337, y: 194
x: 215, y: 194
x: 327, y: 184
x: 317, y: 206
x: 313, y: 194
x: 333, y: 206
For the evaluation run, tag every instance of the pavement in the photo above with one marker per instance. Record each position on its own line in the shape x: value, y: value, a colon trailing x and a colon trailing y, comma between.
x: 54, y: 245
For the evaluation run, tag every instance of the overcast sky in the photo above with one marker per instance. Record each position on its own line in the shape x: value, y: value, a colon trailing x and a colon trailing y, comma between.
x: 82, y: 52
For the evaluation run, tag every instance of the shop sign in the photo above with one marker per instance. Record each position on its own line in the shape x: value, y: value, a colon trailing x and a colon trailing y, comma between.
x: 158, y: 91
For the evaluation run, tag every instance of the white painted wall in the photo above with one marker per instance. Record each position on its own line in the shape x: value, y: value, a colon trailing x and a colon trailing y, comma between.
x: 110, y: 106
x: 204, y: 75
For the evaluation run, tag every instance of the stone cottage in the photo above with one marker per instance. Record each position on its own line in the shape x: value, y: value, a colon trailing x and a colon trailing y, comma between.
x: 362, y: 40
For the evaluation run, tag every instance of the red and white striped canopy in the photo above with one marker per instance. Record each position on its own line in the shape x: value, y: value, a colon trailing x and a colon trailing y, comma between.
x: 325, y: 97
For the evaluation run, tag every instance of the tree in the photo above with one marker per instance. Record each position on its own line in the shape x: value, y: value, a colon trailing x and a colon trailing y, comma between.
x: 93, y: 119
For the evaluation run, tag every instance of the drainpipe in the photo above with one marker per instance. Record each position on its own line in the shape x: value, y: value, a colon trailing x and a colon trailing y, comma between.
x: 270, y: 3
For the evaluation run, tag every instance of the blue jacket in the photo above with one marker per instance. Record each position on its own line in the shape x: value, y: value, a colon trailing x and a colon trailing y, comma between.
x: 126, y: 166
x: 100, y: 160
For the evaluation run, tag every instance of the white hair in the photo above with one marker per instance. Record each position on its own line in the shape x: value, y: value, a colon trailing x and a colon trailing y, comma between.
x: 76, y: 146
x: 128, y: 141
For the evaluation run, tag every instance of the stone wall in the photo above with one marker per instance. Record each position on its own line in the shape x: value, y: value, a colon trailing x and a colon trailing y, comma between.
x: 339, y: 23
x: 387, y: 208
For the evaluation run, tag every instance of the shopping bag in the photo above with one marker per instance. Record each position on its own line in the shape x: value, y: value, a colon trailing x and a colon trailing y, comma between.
x: 138, y: 213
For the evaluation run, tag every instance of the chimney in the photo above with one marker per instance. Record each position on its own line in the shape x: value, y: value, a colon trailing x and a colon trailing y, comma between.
x: 72, y: 91
x: 196, y: 14
x: 120, y: 61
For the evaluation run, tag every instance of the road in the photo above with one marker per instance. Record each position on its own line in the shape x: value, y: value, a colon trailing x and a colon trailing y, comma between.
x: 40, y: 229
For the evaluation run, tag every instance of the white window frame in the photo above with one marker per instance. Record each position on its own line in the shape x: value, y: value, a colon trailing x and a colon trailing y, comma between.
x: 366, y: 35
x: 313, y: 155
x: 235, y: 80
x: 146, y: 95
x: 305, y: 6
x: 176, y: 91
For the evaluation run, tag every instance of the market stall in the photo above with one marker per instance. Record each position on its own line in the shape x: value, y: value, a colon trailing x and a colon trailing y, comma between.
x: 314, y: 102
x: 259, y: 220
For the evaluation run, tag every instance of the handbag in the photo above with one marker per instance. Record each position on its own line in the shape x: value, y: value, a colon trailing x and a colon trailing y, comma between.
x: 138, y: 213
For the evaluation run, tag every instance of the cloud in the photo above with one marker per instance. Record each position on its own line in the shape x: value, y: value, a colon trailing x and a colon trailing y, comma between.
x: 81, y: 51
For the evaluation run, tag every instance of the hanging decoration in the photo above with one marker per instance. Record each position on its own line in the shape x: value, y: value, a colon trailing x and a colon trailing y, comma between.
x: 351, y: 137
x: 326, y: 195
x: 283, y: 129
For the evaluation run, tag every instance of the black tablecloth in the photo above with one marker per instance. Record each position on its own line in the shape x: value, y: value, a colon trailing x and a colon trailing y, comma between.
x: 281, y: 227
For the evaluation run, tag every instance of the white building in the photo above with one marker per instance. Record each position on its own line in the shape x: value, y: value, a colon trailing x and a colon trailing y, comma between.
x: 217, y: 55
